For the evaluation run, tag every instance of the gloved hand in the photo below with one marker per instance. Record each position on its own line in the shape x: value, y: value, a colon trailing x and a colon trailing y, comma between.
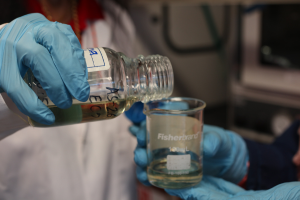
x: 225, y: 154
x: 140, y: 153
x: 135, y: 113
x: 53, y: 53
x: 211, y: 188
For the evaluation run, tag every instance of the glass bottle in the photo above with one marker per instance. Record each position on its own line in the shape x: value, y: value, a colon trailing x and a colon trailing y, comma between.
x: 116, y: 82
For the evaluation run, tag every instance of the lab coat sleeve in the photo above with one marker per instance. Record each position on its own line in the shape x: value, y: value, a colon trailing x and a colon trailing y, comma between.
x: 9, y: 121
x: 271, y: 164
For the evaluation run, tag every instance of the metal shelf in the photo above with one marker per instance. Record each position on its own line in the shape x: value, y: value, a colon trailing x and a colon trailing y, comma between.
x: 253, y: 135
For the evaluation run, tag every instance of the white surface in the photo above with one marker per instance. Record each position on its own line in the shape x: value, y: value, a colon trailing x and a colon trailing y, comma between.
x: 178, y: 162
x: 9, y: 121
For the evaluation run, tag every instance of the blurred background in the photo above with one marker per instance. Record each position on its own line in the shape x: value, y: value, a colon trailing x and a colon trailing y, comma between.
x: 240, y: 57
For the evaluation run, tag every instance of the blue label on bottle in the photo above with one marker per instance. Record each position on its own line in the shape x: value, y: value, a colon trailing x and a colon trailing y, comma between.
x: 96, y: 59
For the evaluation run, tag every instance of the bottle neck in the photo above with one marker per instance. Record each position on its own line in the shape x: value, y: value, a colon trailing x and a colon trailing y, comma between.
x: 148, y: 78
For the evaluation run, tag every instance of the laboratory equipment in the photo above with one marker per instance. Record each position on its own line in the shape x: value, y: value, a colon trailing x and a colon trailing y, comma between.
x: 116, y: 82
x: 265, y: 84
x: 174, y: 136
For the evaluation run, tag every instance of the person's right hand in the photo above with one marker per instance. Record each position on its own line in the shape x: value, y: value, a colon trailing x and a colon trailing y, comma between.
x: 225, y: 154
x: 211, y: 188
x: 53, y: 53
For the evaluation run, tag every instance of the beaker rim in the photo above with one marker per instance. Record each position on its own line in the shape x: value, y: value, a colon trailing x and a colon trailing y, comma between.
x: 148, y: 111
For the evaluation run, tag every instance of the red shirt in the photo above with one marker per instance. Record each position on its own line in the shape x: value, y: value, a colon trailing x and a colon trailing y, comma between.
x: 88, y: 10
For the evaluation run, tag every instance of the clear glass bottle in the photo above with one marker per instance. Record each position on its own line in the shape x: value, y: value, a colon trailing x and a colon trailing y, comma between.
x: 116, y: 82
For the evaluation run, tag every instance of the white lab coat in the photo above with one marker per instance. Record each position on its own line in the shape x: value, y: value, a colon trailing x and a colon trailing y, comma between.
x: 91, y: 161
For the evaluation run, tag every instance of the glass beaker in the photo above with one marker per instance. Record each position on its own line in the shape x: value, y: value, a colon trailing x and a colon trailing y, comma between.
x: 174, y: 136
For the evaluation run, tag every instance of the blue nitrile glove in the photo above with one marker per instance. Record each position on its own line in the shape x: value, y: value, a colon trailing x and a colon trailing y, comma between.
x: 135, y: 113
x: 211, y: 188
x: 140, y: 153
x: 53, y: 53
x: 225, y: 154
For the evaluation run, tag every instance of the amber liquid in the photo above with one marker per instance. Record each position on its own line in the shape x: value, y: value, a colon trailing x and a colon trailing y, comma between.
x: 79, y: 113
x: 160, y: 176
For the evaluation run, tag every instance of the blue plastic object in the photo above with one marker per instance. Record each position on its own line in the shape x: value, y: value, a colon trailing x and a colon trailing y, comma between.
x: 53, y: 53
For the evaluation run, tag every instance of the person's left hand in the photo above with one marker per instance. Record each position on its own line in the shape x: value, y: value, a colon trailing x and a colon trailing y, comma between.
x: 212, y: 188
